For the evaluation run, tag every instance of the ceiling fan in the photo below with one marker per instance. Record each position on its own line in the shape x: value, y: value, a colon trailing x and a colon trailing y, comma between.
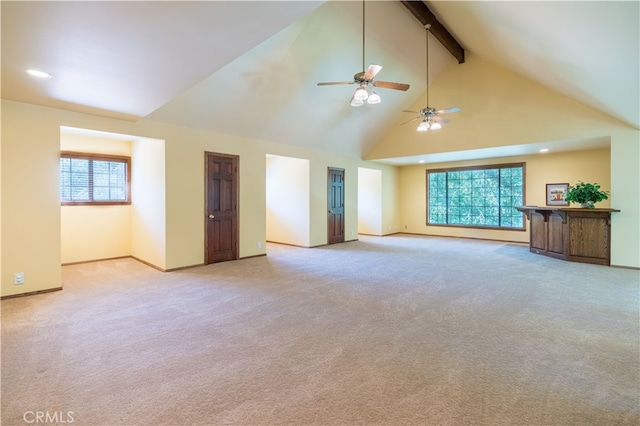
x: 430, y: 117
x: 365, y: 82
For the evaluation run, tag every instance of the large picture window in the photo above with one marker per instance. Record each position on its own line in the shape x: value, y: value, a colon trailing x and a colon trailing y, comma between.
x: 94, y: 179
x: 476, y: 196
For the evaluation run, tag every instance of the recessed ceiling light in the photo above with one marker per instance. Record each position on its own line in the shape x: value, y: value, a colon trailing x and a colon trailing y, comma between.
x: 544, y: 150
x: 37, y: 73
x: 421, y: 161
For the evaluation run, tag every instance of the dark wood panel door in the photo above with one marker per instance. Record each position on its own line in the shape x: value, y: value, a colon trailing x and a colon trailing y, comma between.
x: 555, y: 234
x: 589, y: 237
x: 538, y: 232
x: 221, y: 193
x: 335, y: 204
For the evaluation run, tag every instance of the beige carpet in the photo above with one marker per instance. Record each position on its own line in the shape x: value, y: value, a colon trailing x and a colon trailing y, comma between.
x: 392, y: 330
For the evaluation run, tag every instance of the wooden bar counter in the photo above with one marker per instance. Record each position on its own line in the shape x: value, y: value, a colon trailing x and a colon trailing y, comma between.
x: 574, y: 234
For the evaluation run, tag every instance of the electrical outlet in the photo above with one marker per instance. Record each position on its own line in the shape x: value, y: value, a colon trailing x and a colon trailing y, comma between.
x: 259, y: 244
x: 18, y: 278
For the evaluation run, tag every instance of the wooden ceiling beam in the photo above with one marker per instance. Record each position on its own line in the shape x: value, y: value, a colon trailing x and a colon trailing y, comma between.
x: 421, y: 11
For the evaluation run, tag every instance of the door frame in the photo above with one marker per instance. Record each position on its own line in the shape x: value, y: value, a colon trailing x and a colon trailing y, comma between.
x: 329, y: 212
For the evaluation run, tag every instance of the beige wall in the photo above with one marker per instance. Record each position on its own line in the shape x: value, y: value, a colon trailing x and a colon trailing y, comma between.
x: 287, y: 198
x: 30, y: 201
x: 148, y: 188
x: 170, y: 231
x: 94, y: 232
x: 369, y: 201
x: 498, y: 109
x: 502, y: 109
x: 391, y: 207
x: 567, y: 167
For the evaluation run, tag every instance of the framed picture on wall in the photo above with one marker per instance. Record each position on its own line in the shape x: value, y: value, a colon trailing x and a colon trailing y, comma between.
x: 556, y: 193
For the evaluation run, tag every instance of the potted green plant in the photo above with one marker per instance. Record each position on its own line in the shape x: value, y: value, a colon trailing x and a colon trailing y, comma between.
x: 586, y: 194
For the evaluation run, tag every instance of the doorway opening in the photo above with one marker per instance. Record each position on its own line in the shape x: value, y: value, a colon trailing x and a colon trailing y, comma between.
x: 288, y: 200
x: 369, y: 201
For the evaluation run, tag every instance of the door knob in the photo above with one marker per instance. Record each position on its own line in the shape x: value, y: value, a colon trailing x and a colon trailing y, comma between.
x: 211, y: 216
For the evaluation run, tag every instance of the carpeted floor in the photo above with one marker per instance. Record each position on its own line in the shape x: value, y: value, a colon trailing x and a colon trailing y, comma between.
x: 394, y: 330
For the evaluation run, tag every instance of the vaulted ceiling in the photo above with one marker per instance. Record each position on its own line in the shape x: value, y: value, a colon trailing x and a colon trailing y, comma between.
x: 250, y: 68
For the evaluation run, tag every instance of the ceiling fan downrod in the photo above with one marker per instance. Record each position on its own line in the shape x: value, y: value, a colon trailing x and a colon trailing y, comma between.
x: 427, y: 27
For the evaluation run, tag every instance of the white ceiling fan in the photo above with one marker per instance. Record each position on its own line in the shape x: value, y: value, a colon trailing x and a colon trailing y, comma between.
x: 364, y: 80
x: 430, y: 117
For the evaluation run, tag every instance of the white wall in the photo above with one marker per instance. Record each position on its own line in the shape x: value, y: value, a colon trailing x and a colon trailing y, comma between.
x: 369, y: 201
x: 625, y: 184
x: 287, y: 194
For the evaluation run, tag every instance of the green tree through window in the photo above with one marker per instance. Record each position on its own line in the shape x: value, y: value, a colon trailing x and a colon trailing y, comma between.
x: 476, y: 196
x: 94, y: 179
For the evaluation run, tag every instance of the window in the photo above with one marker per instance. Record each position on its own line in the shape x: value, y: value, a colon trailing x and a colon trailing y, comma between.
x: 483, y: 197
x: 94, y: 179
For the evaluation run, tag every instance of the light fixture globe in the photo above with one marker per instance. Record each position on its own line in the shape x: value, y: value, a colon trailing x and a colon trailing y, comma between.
x: 361, y: 94
x: 356, y: 102
x: 374, y: 98
x: 435, y: 126
x: 423, y: 126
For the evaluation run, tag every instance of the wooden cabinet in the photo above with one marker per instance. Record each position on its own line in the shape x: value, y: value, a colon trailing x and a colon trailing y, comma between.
x: 577, y: 235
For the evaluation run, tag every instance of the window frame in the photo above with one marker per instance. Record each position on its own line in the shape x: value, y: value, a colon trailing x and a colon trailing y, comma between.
x: 97, y: 157
x: 479, y: 167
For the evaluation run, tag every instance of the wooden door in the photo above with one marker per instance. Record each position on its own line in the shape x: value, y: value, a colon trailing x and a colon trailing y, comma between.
x: 555, y: 234
x: 589, y: 237
x: 221, y: 204
x: 336, y: 206
x: 538, y: 236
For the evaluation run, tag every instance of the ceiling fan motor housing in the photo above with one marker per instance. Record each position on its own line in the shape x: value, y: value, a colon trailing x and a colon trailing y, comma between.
x: 428, y: 112
x: 360, y: 78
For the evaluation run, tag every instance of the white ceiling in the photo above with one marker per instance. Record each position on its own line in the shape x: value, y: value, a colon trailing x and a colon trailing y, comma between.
x: 251, y: 68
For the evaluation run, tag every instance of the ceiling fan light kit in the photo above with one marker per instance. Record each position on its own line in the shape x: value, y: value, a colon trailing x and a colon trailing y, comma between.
x: 365, y: 82
x: 430, y: 118
x: 364, y: 93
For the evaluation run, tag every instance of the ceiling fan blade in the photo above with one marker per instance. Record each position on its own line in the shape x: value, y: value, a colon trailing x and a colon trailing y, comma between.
x: 371, y: 72
x: 409, y: 121
x: 441, y: 120
x: 448, y: 110
x: 412, y: 112
x: 390, y: 85
x: 332, y: 83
